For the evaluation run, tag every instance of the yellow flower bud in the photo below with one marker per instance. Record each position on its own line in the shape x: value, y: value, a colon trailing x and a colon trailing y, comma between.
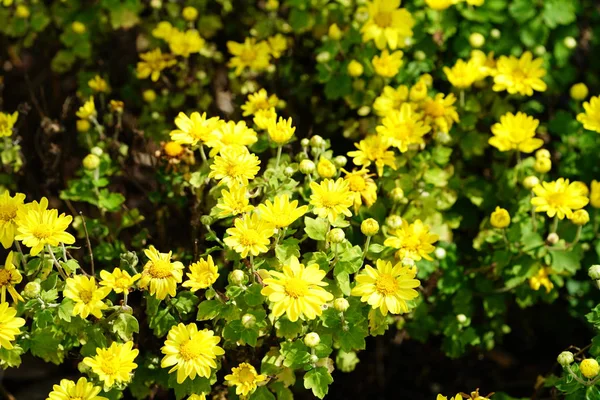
x: 325, y: 168
x: 149, y: 95
x: 419, y: 91
x: 397, y: 194
x: 272, y: 5
x: 595, y: 194
x: 334, y: 32
x: 91, y: 162
x: 579, y: 91
x: 580, y: 217
x: 542, y: 153
x: 189, y: 13
x: 476, y: 40
x: 22, y: 11
x: 542, y: 165
x: 117, y: 106
x: 78, y: 27
x: 589, y: 368
x: 173, y: 149
x: 83, y: 125
x: 530, y: 182
x: 439, y: 5
x: 355, y: 68
x: 369, y: 227
x: 427, y: 78
x: 312, y: 339
x: 336, y: 235
x: 500, y: 218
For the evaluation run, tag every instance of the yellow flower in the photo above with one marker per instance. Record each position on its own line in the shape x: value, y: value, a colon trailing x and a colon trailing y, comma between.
x: 233, y: 201
x: 203, y: 273
x: 542, y: 165
x: 355, y: 69
x: 259, y: 101
x: 387, y: 65
x: 9, y: 326
x: 589, y: 368
x: 418, y: 92
x: 149, y: 95
x: 591, y: 117
x: 388, y: 287
x: 442, y: 397
x: 191, y: 352
x: 152, y: 64
x: 390, y: 99
x: 519, y: 75
x: 244, y: 378
x: 250, y: 235
x: 558, y: 198
x: 69, y: 390
x: 281, y: 212
x: 7, y: 122
x: 579, y: 91
x: 439, y: 5
x: 277, y: 45
x: 113, y: 364
x: 189, y: 13
x: 78, y: 27
x: 83, y: 125
x: 331, y: 198
x: 86, y: 295
x: 9, y: 206
x: 161, y: 274
x: 541, y: 279
x: 97, y: 84
x: 486, y: 64
x: 231, y: 134
x: 200, y: 396
x: 282, y: 131
x: 40, y: 227
x: 263, y: 118
x: 388, y: 24
x: 235, y: 165
x: 9, y: 277
x: 173, y: 149
x: 516, y: 132
x: 185, y: 43
x: 87, y: 110
x: 475, y: 3
x: 297, y: 291
x: 325, y: 168
x: 362, y: 186
x: 334, y: 32
x: 22, y: 11
x: 500, y: 218
x: 580, y: 217
x: 440, y: 112
x: 462, y: 74
x: 116, y: 106
x: 252, y: 55
x: 119, y: 280
x: 193, y: 129
x: 594, y: 194
x: 163, y: 30
x: 373, y: 149
x: 403, y: 128
x: 412, y: 241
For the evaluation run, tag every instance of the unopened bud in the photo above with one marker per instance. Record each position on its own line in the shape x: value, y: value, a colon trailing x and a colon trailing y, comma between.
x: 476, y: 40
x: 323, y: 57
x: 461, y: 318
x: 340, y: 161
x: 97, y: 151
x: 91, y: 162
x: 589, y: 368
x: 248, y: 321
x: 408, y: 262
x: 312, y: 339
x: 552, y: 238
x: 397, y: 194
x: 341, y: 304
x: 565, y: 358
x: 530, y: 182
x: 317, y: 141
x: 594, y: 272
x: 394, y: 221
x: 307, y: 167
x: 32, y: 290
x: 369, y: 227
x: 305, y: 142
x: 206, y: 220
x: 336, y: 235
x: 288, y: 171
x: 440, y: 253
x: 570, y: 42
x: 238, y: 277
x: 495, y: 33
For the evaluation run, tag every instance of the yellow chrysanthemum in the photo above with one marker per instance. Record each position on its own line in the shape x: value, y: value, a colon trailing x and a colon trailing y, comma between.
x: 251, y: 55
x: 595, y: 194
x: 418, y: 92
x: 373, y: 149
x: 69, y: 390
x: 245, y: 379
x: 462, y: 74
x: 277, y: 45
x: 388, y: 287
x: 185, y: 43
x: 87, y: 110
x: 331, y: 198
x: 325, y: 168
x: 161, y: 274
x: 119, y: 280
x: 97, y: 84
x: 264, y: 118
x: 388, y: 24
x: 250, y: 235
x: 259, y: 101
x: 542, y: 278
x: 9, y: 277
x: 440, y: 112
x: 86, y: 296
x: 7, y: 122
x: 297, y: 291
x: 281, y: 212
x: 193, y: 129
x: 200, y: 396
x: 235, y: 165
x: 439, y: 5
x: 362, y: 186
x: 282, y: 131
x: 519, y: 75
x: 403, y: 128
x: 485, y: 64
x: 190, y: 352
x: 558, y: 198
x: 163, y: 30
x: 516, y: 132
x: 390, y: 99
x: 388, y: 65
x: 9, y: 325
x: 230, y: 134
x: 37, y: 228
x: 591, y: 117
x: 203, y: 273
x: 500, y: 218
x: 153, y: 63
x: 412, y: 241
x: 456, y: 397
x: 234, y: 201
x: 9, y: 206
x: 113, y: 365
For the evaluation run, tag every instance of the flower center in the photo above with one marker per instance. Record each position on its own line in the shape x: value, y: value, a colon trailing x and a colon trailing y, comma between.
x: 249, y: 238
x: 383, y: 19
x: 5, y: 277
x: 42, y: 231
x: 295, y: 287
x: 386, y: 285
x: 357, y: 183
x: 331, y: 200
x: 556, y: 199
x: 8, y: 212
x: 435, y: 109
x: 160, y: 269
x: 245, y: 375
x: 85, y: 296
x: 190, y: 350
x: 248, y: 56
x: 109, y: 365
x: 234, y: 170
x: 518, y: 76
x: 122, y: 283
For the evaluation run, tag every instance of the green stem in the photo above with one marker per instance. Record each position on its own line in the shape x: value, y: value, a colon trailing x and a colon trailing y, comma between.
x: 56, y: 263
x: 202, y: 153
x: 253, y: 277
x: 578, y: 379
x: 577, y: 236
x: 367, y: 242
x: 18, y: 246
x: 533, y: 217
x: 278, y: 156
x: 554, y: 225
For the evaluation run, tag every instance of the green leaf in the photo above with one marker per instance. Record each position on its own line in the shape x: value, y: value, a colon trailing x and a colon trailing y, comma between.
x: 110, y: 201
x: 209, y: 309
x: 185, y: 302
x: 346, y: 361
x: 288, y: 329
x: 558, y: 12
x: 352, y: 337
x: 45, y: 344
x: 125, y: 326
x: 161, y: 322
x: 288, y: 248
x: 295, y: 354
x: 65, y: 310
x: 318, y: 380
x: 189, y: 386
x: 10, y: 358
x: 252, y: 297
x: 565, y: 261
x: 262, y: 393
x: 315, y: 228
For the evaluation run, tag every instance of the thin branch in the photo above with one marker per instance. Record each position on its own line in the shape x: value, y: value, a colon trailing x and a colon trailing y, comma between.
x: 89, y: 245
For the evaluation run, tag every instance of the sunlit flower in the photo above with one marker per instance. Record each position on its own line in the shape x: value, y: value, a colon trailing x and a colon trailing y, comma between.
x: 235, y: 165
x: 542, y: 278
x: 113, y: 365
x: 9, y: 326
x: 390, y: 99
x: 440, y: 112
x: 193, y: 129
x: 580, y: 217
x: 245, y: 378
x: 388, y: 65
x: 591, y: 117
x: 595, y: 194
x: 231, y: 134
x: 264, y: 118
x: 439, y: 5
x: 203, y: 273
x: 486, y: 64
x: 388, y: 287
x: 185, y: 43
x: 516, y: 132
x: 297, y: 291
x: 251, y: 55
x: 418, y: 92
x: 119, y: 280
x: 161, y: 274
x: 9, y: 205
x: 259, y: 101
x: 7, y: 122
x: 282, y: 131
x: 500, y: 218
x: 331, y: 198
x: 163, y: 30
x: 403, y: 128
x: 520, y: 75
x: 69, y: 390
x: 373, y: 149
x: 325, y: 168
x: 388, y: 24
x: 87, y: 110
x: 281, y: 212
x: 189, y: 13
x: 558, y: 198
x: 97, y: 84
x: 9, y: 277
x: 153, y: 63
x: 412, y: 241
x: 234, y: 201
x: 86, y: 296
x: 37, y: 228
x: 277, y: 45
x: 462, y: 74
x: 363, y: 188
x: 250, y: 235
x: 191, y: 352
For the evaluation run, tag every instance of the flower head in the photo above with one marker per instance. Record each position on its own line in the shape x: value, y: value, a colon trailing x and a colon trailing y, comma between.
x: 161, y: 274
x: 264, y: 118
x: 403, y: 128
x: 594, y: 194
x: 245, y: 378
x: 374, y: 149
x: 412, y: 241
x: 591, y: 117
x: 231, y: 134
x: 119, y: 280
x: 250, y: 235
x: 516, y: 132
x: 281, y: 212
x: 7, y: 122
x: 87, y: 110
x: 559, y: 197
x: 203, y: 273
x: 362, y: 186
x: 234, y: 201
x: 500, y: 218
x: 69, y: 390
x: 38, y: 227
x: 163, y: 30
x: 9, y: 206
x: 519, y: 75
x: 388, y: 287
x: 113, y: 364
x: 325, y: 168
x: 153, y: 63
x: 386, y: 64
x: 185, y: 43
x: 331, y: 198
x: 440, y: 5
x: 9, y: 326
x: 297, y: 291
x: 86, y: 295
x: 541, y: 279
x: 190, y: 352
x: 580, y: 217
x: 235, y: 165
x: 277, y: 45
x: 282, y: 131
x: 388, y: 24
x: 193, y: 129
x: 97, y: 84
x: 440, y: 112
x: 390, y: 99
x: 259, y: 101
x: 250, y: 54
x: 462, y: 74
x: 9, y: 277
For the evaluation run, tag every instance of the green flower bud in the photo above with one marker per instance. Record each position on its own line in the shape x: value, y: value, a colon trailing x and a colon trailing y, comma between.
x: 394, y: 221
x: 336, y: 235
x: 288, y: 171
x: 369, y: 227
x: 440, y: 253
x: 317, y: 141
x: 476, y: 40
x: 129, y: 259
x: 397, y: 194
x: 97, y: 151
x: 594, y: 272
x: 206, y: 220
x: 530, y: 182
x: 495, y: 33
x: 91, y: 162
x: 312, y: 340
x: 553, y: 238
x: 341, y: 304
x: 307, y: 167
x: 305, y: 142
x: 461, y: 318
x: 340, y: 161
x: 32, y: 290
x: 570, y: 42
x: 238, y: 277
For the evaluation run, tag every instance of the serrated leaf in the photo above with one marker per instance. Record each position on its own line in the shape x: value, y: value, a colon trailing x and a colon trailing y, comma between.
x: 318, y: 380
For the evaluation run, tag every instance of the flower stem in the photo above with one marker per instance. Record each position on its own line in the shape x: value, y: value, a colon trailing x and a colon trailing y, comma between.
x: 18, y: 246
x: 278, y: 156
x: 367, y: 242
x: 554, y: 225
x: 57, y: 264
x: 253, y: 277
